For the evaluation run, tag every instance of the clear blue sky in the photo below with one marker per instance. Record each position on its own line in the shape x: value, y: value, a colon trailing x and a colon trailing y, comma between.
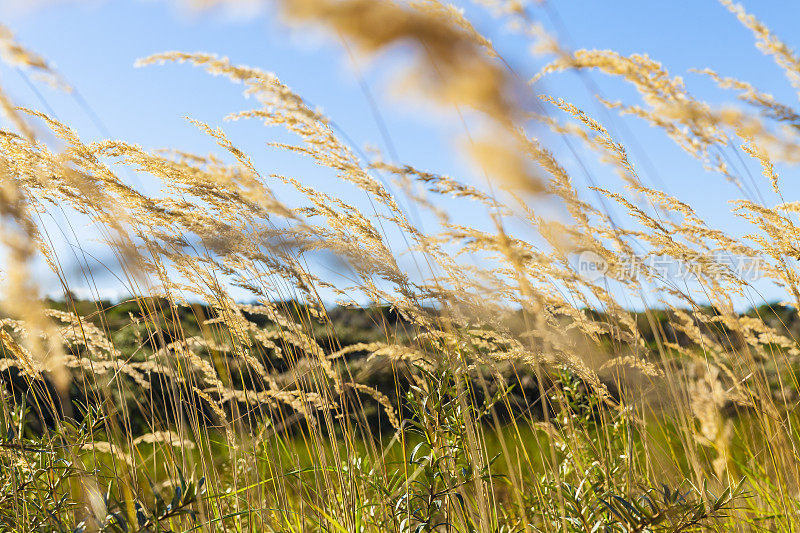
x: 94, y: 45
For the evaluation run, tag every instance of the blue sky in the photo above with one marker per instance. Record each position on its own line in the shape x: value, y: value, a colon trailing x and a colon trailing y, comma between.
x: 94, y: 45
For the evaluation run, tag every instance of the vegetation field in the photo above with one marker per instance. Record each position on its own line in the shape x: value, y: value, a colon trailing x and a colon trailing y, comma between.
x: 520, y: 350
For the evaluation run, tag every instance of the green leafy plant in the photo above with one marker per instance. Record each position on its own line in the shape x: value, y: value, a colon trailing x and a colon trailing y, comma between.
x: 596, y: 497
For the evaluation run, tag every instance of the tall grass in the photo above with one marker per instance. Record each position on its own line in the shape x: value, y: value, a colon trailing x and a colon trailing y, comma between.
x: 503, y: 387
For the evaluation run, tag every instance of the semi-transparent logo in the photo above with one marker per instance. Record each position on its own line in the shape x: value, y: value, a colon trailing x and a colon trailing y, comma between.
x: 710, y: 265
